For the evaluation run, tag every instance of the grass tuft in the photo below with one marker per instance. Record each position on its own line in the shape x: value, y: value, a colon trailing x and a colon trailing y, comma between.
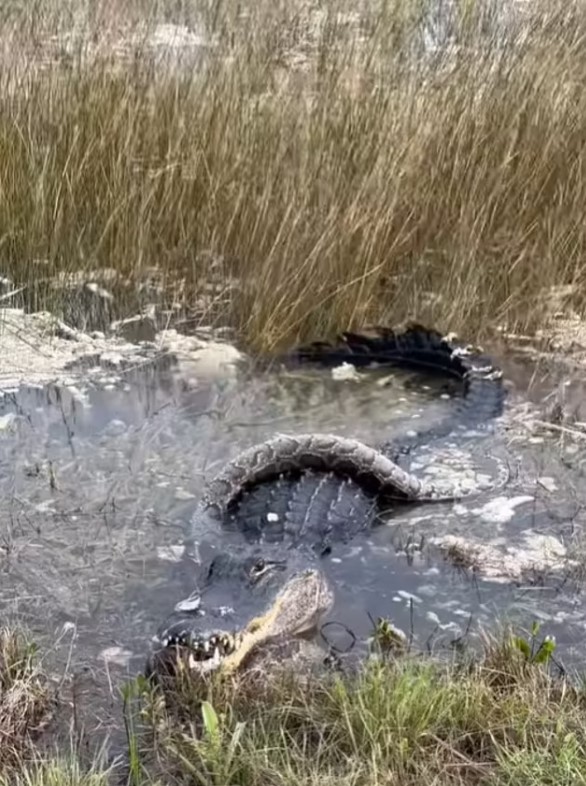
x: 25, y: 697
x: 55, y: 773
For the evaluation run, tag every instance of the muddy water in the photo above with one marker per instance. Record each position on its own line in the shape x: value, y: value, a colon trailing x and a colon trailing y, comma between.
x: 97, y: 491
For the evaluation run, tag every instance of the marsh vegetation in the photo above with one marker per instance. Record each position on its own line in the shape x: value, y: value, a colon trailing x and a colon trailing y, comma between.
x: 494, y: 717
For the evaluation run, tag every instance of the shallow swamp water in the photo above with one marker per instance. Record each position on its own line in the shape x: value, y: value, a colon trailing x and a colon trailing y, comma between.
x: 98, y: 488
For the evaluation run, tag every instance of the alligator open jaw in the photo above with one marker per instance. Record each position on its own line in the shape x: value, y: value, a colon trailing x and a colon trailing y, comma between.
x: 295, y: 612
x: 206, y: 650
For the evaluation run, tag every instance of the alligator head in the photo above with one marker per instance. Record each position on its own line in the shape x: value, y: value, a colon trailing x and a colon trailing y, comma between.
x: 295, y: 610
x: 230, y: 590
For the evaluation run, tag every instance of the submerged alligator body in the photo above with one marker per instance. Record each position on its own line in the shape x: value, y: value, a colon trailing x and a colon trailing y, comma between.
x: 305, y: 492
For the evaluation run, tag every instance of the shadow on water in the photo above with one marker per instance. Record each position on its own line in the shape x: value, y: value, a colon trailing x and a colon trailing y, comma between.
x: 98, y: 488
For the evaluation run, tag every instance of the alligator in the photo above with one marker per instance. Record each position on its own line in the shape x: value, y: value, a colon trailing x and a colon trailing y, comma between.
x: 308, y: 491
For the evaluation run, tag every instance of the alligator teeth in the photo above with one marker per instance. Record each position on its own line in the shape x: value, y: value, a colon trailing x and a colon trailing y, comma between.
x: 207, y: 665
x: 192, y: 662
x: 208, y: 649
x: 175, y: 639
x: 201, y: 652
x: 461, y: 352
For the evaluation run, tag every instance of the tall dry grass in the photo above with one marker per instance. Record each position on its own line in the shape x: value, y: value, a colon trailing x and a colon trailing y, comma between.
x: 346, y: 170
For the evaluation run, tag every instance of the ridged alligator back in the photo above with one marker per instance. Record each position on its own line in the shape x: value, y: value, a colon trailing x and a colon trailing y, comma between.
x: 311, y: 508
